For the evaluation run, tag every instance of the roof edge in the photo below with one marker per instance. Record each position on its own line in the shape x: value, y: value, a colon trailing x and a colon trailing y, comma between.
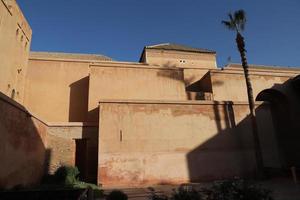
x: 67, y: 56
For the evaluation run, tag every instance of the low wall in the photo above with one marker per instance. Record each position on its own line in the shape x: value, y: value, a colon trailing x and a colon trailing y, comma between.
x: 29, y: 147
x: 75, y: 144
x: 23, y: 153
x: 176, y: 142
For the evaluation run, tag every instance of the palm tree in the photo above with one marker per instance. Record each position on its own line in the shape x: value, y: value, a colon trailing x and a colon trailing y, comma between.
x: 237, y: 22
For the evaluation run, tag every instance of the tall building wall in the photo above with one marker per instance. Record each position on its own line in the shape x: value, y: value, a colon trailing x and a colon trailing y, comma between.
x: 15, y: 39
x: 129, y: 82
x: 153, y: 142
x: 180, y: 59
x: 57, y: 91
x: 62, y: 90
x: 231, y: 86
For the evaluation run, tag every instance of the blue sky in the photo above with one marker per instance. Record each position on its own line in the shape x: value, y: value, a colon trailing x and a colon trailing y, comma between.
x: 121, y: 28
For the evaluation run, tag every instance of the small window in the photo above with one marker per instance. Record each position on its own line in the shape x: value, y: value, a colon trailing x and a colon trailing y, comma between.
x: 22, y: 38
x: 17, y: 32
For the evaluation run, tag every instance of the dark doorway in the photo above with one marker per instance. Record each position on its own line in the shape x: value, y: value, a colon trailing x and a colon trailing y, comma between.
x: 81, y: 158
x: 281, y: 117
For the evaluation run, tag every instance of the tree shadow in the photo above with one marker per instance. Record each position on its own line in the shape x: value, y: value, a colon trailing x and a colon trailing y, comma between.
x: 171, y: 71
x: 230, y: 152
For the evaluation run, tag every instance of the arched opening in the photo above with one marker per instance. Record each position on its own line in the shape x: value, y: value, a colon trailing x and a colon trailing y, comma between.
x: 296, y: 84
x: 281, y: 117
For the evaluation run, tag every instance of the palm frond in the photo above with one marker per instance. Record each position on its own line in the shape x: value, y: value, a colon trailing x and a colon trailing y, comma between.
x: 237, y: 21
x: 240, y: 15
x: 228, y: 25
x: 240, y: 19
x: 231, y: 18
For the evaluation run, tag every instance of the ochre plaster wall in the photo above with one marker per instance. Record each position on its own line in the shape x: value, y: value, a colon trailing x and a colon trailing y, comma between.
x: 231, y: 86
x: 138, y: 83
x: 15, y: 38
x: 177, y: 142
x: 57, y: 91
x: 167, y: 58
x: 192, y: 75
x: 73, y: 88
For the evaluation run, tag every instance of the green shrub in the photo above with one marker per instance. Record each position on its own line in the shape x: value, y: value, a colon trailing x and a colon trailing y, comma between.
x: 237, y: 189
x: 186, y: 193
x: 66, y: 175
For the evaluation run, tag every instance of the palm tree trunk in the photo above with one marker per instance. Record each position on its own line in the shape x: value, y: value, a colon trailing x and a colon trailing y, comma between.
x: 258, y: 153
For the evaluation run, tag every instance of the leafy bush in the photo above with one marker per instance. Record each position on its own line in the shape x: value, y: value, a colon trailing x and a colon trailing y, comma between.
x: 235, y: 189
x: 66, y: 175
x: 186, y: 193
x: 238, y: 189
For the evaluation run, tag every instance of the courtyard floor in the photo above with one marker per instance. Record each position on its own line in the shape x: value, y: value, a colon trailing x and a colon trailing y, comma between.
x: 282, y: 189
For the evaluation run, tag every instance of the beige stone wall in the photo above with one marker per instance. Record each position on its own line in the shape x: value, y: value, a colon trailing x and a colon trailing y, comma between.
x: 192, y: 75
x: 73, y: 88
x: 167, y: 58
x: 134, y: 82
x: 57, y: 91
x: 230, y: 85
x: 15, y: 39
x: 177, y: 142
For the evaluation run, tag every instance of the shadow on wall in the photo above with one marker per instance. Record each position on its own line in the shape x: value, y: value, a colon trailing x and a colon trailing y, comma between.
x: 173, y: 72
x: 230, y: 152
x: 284, y: 102
x: 79, y: 97
x: 86, y: 153
x: 24, y: 157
